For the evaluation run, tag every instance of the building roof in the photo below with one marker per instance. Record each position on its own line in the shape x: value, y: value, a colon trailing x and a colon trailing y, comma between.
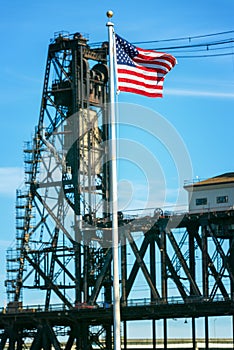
x: 216, y: 180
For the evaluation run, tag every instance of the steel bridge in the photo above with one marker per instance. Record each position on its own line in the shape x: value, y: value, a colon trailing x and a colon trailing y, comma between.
x: 59, y: 274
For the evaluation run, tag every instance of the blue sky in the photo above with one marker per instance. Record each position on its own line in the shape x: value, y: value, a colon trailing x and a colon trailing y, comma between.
x: 198, y: 97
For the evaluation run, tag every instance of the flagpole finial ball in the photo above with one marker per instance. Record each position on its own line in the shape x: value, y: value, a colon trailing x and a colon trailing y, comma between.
x: 110, y: 14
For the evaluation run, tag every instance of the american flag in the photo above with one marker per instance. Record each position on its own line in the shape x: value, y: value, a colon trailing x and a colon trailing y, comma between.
x: 141, y: 71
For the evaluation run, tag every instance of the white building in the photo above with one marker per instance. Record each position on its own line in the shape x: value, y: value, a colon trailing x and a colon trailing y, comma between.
x: 214, y: 194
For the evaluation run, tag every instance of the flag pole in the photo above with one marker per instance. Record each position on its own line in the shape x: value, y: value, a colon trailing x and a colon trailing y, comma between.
x: 113, y: 185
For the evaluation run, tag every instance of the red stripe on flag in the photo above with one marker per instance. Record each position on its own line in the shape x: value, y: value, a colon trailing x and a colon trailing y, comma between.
x: 159, y: 56
x: 153, y: 64
x: 139, y: 83
x: 140, y: 92
x: 138, y: 74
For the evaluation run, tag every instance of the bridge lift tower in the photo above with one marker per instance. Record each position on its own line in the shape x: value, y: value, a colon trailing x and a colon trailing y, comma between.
x: 59, y: 251
x: 61, y: 264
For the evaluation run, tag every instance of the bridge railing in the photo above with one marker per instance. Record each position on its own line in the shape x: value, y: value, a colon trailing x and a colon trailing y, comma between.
x: 19, y: 308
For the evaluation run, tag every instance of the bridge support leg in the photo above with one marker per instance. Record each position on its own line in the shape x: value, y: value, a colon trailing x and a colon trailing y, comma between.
x: 165, y: 333
x: 154, y: 333
x: 206, y: 332
x: 194, y: 333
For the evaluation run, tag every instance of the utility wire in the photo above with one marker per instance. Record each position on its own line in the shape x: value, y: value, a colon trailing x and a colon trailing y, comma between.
x: 189, y: 38
x: 201, y: 56
x: 202, y: 48
x: 208, y: 49
x: 205, y: 46
x: 228, y: 41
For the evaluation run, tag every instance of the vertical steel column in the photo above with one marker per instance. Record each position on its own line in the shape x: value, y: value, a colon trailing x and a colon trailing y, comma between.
x: 19, y: 342
x: 75, y: 108
x: 125, y: 334
x: 78, y: 345
x: 231, y: 263
x: 205, y: 279
x: 194, y: 333
x: 233, y: 331
x: 123, y: 267
x: 75, y: 174
x: 153, y: 278
x: 46, y: 343
x: 191, y: 255
x: 154, y: 333
x: 77, y: 253
x: 165, y: 333
x: 12, y: 338
x: 163, y: 265
x: 108, y: 337
x: 164, y: 281
x: 204, y: 263
x: 106, y: 167
x: 85, y: 337
x: 108, y: 301
x: 193, y: 274
x: 85, y: 274
x: 152, y: 264
x: 206, y: 332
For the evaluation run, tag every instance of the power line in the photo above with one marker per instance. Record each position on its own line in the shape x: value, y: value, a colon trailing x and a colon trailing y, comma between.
x: 212, y: 46
x: 204, y: 46
x: 207, y: 45
x: 209, y: 49
x: 189, y: 38
x: 201, y: 56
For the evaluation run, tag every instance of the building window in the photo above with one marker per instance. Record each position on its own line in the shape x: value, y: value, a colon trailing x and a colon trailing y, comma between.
x: 201, y: 201
x: 222, y: 199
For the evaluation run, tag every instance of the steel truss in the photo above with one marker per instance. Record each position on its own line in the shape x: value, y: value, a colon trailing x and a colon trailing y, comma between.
x: 62, y: 261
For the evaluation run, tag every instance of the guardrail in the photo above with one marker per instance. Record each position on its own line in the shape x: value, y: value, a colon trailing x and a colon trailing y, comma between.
x: 102, y: 305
